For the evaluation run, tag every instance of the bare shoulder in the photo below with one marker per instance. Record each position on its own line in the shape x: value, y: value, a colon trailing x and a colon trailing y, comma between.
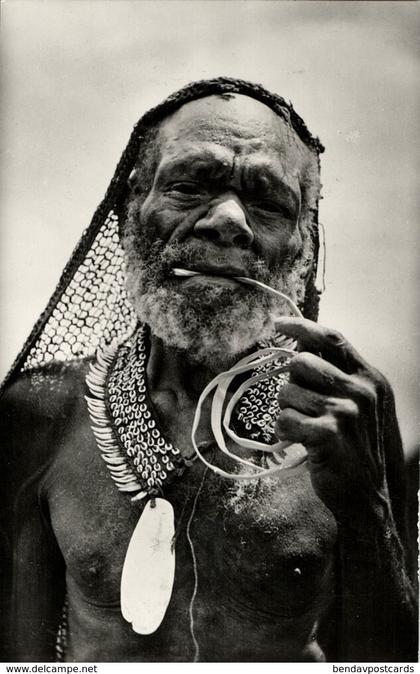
x: 46, y: 389
x: 36, y: 408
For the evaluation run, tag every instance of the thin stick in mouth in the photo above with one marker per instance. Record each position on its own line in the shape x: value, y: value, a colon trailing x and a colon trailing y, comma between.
x: 184, y: 272
x: 246, y: 281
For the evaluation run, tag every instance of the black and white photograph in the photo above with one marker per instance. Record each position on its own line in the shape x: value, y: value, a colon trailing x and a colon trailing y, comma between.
x: 209, y: 333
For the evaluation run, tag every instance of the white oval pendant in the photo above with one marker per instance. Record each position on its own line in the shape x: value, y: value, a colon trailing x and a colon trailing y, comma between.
x: 149, y: 568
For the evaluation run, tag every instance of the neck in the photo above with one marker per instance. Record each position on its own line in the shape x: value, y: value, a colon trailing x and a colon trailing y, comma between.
x: 174, y: 384
x: 169, y: 369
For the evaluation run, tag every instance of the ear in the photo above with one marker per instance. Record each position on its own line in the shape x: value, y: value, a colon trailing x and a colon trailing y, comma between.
x: 133, y: 181
x: 307, y: 268
x: 305, y: 257
x: 310, y: 307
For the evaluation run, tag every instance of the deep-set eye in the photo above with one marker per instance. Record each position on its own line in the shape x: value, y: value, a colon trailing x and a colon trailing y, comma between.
x: 270, y: 206
x: 185, y: 187
x: 275, y: 208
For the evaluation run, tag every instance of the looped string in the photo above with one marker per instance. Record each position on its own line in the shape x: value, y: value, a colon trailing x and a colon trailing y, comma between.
x: 220, y: 385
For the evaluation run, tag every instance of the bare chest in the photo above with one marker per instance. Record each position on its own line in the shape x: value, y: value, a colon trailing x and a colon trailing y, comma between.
x: 254, y: 555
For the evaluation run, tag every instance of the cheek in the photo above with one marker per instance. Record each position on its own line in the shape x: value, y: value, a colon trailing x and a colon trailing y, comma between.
x: 279, y: 243
x: 157, y: 219
x: 167, y: 223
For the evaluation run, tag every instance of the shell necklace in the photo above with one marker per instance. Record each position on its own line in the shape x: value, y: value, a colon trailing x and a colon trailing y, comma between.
x: 142, y: 462
x: 137, y: 456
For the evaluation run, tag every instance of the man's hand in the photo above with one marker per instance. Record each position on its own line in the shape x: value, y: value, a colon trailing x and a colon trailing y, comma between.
x: 334, y: 406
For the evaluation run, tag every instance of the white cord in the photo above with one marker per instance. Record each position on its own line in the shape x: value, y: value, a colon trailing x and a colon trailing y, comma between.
x: 220, y: 385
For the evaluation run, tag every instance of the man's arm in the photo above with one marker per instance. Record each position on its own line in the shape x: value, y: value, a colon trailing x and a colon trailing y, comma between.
x: 342, y: 410
x: 376, y: 603
x: 374, y: 567
x: 32, y: 569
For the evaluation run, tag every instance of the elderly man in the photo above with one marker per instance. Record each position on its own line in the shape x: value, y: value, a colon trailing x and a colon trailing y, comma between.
x: 118, y: 545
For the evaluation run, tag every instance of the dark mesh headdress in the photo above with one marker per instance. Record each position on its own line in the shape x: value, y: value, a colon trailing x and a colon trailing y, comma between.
x: 90, y: 307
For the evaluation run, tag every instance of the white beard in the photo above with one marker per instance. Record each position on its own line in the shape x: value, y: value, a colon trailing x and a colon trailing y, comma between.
x: 215, y: 338
x: 212, y: 325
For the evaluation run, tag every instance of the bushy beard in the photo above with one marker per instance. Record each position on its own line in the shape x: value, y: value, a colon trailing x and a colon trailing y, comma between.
x: 213, y: 325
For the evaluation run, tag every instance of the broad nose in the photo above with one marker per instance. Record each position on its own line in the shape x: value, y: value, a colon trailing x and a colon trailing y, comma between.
x: 225, y: 224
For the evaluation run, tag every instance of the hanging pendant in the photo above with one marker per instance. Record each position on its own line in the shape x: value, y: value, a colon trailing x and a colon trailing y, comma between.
x: 149, y: 568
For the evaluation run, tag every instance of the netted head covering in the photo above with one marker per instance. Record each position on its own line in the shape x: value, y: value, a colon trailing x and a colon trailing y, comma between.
x: 89, y: 306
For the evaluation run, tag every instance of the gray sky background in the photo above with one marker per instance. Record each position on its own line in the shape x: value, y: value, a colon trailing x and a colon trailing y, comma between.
x: 78, y: 73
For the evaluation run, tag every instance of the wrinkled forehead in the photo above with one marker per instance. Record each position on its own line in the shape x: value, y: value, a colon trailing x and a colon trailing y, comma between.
x: 237, y: 124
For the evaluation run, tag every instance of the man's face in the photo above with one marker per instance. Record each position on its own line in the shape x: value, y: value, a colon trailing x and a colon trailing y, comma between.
x: 225, y: 201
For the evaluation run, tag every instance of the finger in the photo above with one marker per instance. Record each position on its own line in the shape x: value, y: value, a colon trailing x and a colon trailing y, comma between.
x: 319, y: 339
x: 303, y: 400
x: 294, y: 426
x: 314, y: 373
x: 314, y: 404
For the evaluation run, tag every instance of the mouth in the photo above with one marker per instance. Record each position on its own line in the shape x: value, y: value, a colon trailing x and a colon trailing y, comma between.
x: 219, y: 275
x: 190, y: 274
x: 204, y: 269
